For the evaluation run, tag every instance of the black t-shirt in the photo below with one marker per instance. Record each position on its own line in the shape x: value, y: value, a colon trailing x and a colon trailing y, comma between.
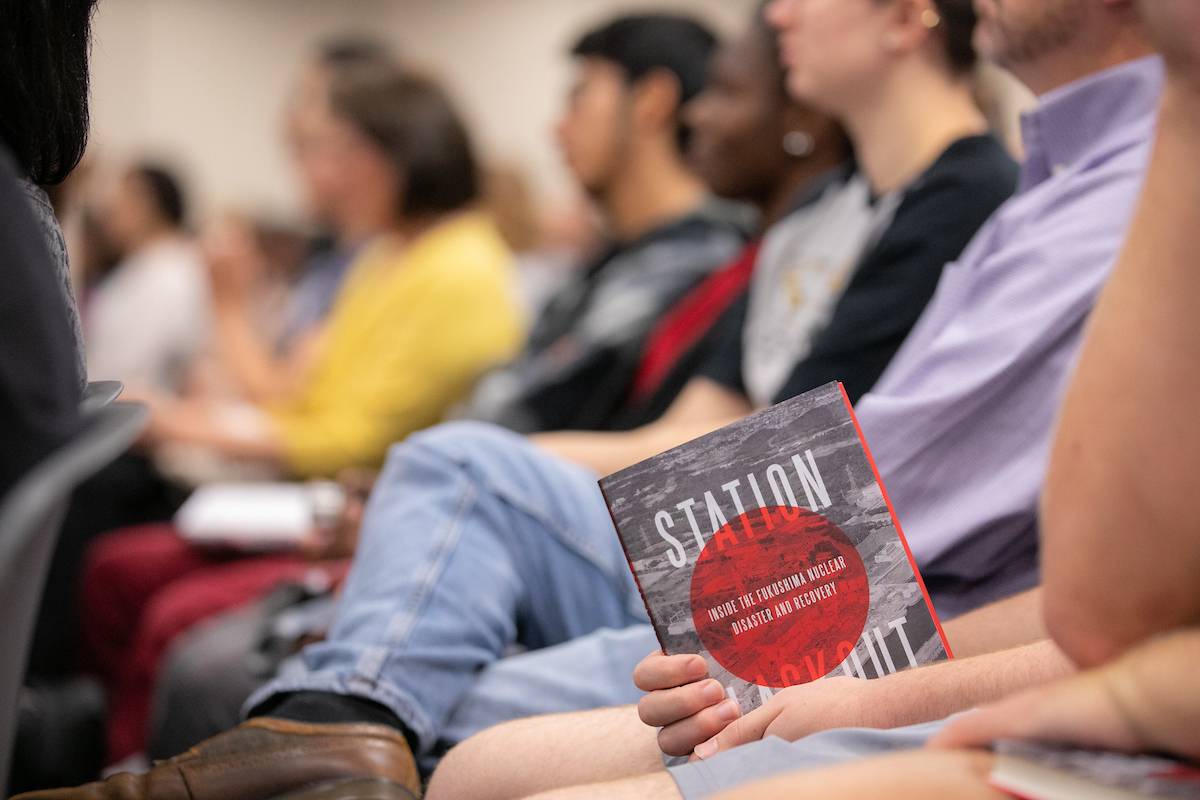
x: 937, y: 216
x: 39, y: 388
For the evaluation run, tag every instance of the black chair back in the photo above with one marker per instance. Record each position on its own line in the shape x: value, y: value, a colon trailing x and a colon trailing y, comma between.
x: 30, y: 516
x: 100, y: 394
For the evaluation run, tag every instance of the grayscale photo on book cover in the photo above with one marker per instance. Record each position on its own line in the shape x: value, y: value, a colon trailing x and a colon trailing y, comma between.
x: 663, y: 509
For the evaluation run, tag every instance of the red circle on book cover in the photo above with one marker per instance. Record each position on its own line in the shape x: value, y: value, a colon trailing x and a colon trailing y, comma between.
x: 780, y: 596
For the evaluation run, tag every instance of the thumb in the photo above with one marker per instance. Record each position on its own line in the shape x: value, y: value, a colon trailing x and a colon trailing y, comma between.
x: 743, y: 730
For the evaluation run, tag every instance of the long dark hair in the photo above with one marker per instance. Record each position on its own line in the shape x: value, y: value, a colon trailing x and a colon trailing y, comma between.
x: 44, y: 48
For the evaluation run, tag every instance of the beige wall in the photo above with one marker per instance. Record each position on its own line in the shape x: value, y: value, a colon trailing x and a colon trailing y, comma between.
x: 200, y: 82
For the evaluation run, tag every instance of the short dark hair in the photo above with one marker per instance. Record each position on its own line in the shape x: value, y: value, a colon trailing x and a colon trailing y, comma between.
x: 44, y: 84
x: 411, y: 119
x: 349, y: 51
x: 165, y: 192
x: 643, y: 43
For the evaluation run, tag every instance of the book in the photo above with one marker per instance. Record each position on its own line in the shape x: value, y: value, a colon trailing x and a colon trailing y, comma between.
x: 258, y: 516
x: 770, y: 548
x: 1036, y: 771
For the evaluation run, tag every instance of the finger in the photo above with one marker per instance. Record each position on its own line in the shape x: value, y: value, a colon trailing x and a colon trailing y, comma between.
x: 681, y: 738
x: 978, y: 728
x: 657, y: 671
x: 743, y: 730
x: 669, y: 706
x: 1078, y: 711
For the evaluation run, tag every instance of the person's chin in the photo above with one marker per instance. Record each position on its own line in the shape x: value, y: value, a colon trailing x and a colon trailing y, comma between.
x: 799, y: 87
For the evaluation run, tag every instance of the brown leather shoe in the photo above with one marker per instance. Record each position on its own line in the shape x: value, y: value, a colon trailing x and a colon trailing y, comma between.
x: 352, y: 790
x: 261, y: 759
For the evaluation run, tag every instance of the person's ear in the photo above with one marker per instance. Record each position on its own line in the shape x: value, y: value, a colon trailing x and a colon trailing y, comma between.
x: 657, y: 98
x: 909, y: 25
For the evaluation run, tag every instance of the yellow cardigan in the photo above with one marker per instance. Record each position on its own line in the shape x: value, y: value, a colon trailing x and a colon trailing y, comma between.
x: 412, y: 329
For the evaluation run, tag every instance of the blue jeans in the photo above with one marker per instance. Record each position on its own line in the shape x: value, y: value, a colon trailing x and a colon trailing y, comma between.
x: 476, y: 543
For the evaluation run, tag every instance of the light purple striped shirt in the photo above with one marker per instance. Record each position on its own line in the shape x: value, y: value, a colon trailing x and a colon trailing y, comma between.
x: 960, y: 424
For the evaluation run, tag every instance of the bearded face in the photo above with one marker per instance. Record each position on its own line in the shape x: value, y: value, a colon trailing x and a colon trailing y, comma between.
x: 1013, y: 33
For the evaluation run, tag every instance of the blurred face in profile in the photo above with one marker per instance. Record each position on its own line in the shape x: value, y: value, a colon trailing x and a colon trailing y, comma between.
x: 303, y: 137
x: 348, y: 182
x: 739, y: 121
x: 593, y: 132
x: 130, y: 215
x: 1014, y: 33
x: 834, y: 50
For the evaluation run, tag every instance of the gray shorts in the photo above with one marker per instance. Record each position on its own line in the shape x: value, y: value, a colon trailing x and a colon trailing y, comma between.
x: 773, y: 756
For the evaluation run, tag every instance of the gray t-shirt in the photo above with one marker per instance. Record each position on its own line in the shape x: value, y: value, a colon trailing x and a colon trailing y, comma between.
x: 806, y: 262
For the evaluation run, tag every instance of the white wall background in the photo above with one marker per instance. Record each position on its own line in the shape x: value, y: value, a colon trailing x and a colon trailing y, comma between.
x: 201, y: 82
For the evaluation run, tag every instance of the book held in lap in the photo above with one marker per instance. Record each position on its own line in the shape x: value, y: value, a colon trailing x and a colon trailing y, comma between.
x: 770, y: 548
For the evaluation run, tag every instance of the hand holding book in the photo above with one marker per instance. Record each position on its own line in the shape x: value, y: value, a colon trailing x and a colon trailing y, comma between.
x: 697, y: 718
x: 769, y: 550
x: 682, y: 700
x: 799, y: 711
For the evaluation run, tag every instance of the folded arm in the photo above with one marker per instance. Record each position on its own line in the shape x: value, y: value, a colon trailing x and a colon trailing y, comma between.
x: 1121, y: 484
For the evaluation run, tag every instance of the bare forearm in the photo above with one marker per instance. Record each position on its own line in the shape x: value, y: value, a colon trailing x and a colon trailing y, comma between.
x: 701, y: 407
x: 262, y: 377
x: 1003, y: 625
x: 934, y: 692
x: 198, y: 424
x: 1120, y: 487
x: 605, y: 453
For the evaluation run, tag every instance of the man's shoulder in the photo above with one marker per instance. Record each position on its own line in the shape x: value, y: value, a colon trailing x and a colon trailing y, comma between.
x: 1088, y: 204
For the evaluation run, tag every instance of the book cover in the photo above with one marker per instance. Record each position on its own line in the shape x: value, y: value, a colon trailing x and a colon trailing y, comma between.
x: 1036, y: 771
x: 770, y: 548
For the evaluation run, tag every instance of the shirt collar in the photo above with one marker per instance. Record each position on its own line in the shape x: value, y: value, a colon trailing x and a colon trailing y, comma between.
x: 1077, y: 122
